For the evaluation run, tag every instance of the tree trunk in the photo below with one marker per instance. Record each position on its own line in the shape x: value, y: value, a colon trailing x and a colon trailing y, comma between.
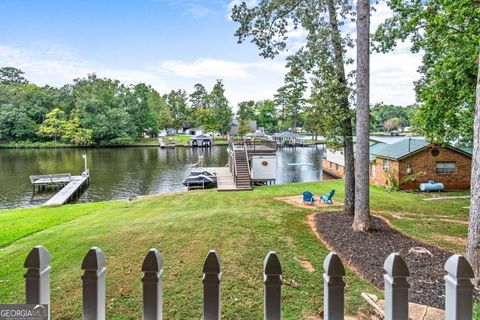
x: 361, y: 220
x: 473, y: 245
x: 349, y: 205
x: 345, y: 106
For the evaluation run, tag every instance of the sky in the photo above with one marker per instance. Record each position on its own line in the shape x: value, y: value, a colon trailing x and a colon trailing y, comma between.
x: 169, y: 44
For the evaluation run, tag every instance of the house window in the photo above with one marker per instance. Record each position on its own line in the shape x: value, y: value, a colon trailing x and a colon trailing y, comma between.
x: 386, y: 165
x: 336, y: 166
x: 445, y: 167
x: 373, y: 170
x: 331, y: 164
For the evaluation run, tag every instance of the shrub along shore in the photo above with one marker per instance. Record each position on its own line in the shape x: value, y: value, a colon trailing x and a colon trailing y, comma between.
x: 241, y: 226
x: 178, y: 141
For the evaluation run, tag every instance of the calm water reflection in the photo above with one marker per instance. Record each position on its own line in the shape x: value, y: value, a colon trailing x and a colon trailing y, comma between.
x: 119, y: 173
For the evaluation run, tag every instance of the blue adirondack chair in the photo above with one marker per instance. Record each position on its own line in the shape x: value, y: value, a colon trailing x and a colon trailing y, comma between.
x: 327, y: 198
x: 308, y: 197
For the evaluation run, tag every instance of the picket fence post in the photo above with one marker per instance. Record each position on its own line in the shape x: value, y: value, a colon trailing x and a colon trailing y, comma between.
x: 37, y: 277
x: 458, y: 289
x: 94, y: 285
x: 333, y: 287
x: 272, y: 278
x: 396, y: 288
x: 152, y: 268
x: 211, y: 286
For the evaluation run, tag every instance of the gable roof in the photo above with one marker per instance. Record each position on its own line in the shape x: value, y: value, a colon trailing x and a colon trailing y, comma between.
x: 376, y: 148
x: 406, y: 147
x: 400, y: 149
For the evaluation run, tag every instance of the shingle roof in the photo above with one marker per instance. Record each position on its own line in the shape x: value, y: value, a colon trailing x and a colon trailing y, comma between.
x: 399, y: 149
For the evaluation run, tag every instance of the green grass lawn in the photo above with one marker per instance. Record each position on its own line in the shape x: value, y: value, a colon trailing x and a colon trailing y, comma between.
x: 241, y: 226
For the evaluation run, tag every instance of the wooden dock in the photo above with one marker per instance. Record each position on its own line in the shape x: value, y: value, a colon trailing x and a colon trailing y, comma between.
x: 225, y: 181
x: 72, y: 186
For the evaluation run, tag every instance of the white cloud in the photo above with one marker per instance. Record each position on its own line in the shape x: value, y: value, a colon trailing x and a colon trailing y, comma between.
x: 49, y: 64
x: 54, y: 65
x: 216, y: 68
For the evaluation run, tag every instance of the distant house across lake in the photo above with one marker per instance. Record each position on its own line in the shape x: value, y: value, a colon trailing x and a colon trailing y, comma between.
x: 410, y: 160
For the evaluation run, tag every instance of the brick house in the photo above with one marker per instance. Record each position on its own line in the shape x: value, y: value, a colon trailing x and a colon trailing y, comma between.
x: 334, y: 159
x: 420, y: 161
x: 410, y: 157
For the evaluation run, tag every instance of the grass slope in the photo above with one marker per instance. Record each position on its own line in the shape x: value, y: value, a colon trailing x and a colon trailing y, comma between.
x: 241, y: 226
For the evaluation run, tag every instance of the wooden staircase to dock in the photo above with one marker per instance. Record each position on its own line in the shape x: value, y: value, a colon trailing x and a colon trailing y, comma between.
x: 242, y: 169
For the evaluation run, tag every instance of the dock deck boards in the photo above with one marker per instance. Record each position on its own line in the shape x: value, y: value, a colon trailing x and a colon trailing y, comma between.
x: 66, y: 193
x: 225, y: 181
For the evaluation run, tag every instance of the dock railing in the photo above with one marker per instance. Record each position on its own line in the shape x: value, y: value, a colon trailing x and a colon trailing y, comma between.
x: 50, y: 178
x: 458, y: 286
x: 233, y: 167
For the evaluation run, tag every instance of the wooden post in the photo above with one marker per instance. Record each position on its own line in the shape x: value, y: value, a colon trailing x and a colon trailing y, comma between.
x: 333, y: 287
x: 396, y: 288
x: 458, y: 289
x: 94, y: 285
x: 272, y: 278
x: 152, y: 285
x: 37, y: 277
x: 211, y: 286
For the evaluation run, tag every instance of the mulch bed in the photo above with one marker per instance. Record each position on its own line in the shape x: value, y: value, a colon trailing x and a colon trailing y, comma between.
x: 366, y: 253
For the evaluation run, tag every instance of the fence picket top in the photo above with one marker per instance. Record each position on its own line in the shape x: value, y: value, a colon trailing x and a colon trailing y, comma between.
x: 153, y: 261
x: 94, y: 260
x: 333, y: 266
x: 458, y: 267
x: 212, y: 263
x: 38, y: 258
x: 271, y: 264
x: 395, y: 266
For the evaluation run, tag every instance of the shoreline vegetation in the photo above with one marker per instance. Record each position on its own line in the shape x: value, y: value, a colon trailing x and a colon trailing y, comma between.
x: 185, y: 225
x: 178, y: 141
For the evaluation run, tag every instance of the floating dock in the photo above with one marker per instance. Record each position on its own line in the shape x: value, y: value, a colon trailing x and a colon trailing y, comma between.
x: 72, y: 186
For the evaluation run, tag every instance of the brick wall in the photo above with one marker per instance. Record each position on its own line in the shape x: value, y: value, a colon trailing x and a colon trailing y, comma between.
x: 334, y: 169
x: 425, y: 161
x: 381, y: 177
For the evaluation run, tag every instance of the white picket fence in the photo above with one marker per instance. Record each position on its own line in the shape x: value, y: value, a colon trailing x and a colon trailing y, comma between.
x: 458, y: 304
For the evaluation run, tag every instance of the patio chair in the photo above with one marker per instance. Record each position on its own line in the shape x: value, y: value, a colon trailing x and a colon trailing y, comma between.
x: 308, y: 197
x: 327, y: 198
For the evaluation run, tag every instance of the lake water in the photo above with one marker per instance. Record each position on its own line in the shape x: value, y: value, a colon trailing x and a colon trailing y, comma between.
x: 120, y: 173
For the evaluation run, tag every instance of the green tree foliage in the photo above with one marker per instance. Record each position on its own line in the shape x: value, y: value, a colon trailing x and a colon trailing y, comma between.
x: 143, y: 111
x: 199, y: 97
x: 246, y: 110
x: 54, y: 124
x: 448, y: 33
x: 102, y: 107
x: 75, y: 134
x: 381, y: 113
x: 244, y: 127
x: 266, y: 115
x: 96, y: 110
x: 222, y: 111
x: 10, y: 75
x: 177, y: 101
x: 294, y: 91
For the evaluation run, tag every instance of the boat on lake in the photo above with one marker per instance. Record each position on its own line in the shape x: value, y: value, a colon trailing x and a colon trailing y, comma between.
x: 202, y: 179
